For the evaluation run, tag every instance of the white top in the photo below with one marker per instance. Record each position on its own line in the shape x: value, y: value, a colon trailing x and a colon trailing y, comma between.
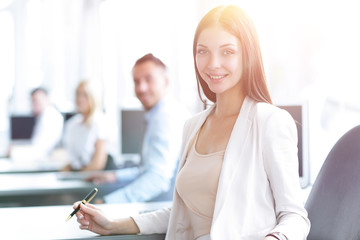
x: 47, y: 133
x: 80, y: 139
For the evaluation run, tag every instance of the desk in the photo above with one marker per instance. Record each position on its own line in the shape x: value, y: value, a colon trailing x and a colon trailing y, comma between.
x: 52, y: 188
x: 9, y: 166
x: 49, y: 222
x: 21, y: 162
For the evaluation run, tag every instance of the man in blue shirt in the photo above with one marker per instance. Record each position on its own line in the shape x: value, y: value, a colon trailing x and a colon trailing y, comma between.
x: 164, y: 119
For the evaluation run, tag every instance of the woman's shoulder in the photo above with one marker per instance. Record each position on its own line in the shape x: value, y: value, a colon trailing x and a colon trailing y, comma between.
x: 99, y: 117
x: 265, y: 110
x: 100, y: 122
x: 270, y: 114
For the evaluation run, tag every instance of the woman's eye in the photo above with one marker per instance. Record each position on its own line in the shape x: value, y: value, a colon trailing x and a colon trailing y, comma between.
x: 202, y: 52
x: 228, y: 52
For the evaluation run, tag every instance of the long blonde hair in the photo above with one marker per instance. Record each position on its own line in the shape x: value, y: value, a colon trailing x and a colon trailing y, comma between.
x: 93, y: 96
x: 236, y: 22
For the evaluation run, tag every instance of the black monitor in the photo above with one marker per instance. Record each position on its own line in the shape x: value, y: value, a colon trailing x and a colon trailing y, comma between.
x: 299, y: 113
x: 21, y: 127
x: 132, y: 131
x: 68, y: 115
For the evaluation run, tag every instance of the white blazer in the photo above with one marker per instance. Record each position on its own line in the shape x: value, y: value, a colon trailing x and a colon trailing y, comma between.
x: 258, y: 190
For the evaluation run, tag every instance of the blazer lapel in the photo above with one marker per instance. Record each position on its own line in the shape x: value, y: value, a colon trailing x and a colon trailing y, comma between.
x: 233, y: 153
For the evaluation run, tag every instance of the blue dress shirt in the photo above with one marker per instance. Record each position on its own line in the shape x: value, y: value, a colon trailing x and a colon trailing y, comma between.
x: 159, y: 157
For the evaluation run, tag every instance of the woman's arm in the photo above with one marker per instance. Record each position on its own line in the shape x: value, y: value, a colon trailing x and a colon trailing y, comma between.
x: 92, y: 219
x: 281, y: 165
x: 66, y: 168
x: 99, y: 158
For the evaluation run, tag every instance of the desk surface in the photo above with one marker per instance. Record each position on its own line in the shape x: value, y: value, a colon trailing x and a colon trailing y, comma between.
x: 49, y: 222
x: 54, y: 188
x: 34, y: 183
x: 9, y: 166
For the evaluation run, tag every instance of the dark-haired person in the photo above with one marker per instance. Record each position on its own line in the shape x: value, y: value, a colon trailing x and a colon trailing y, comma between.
x: 47, y: 130
x: 245, y: 148
x: 161, y: 144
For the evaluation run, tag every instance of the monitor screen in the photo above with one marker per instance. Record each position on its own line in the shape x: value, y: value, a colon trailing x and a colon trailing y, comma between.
x: 21, y: 127
x: 132, y: 131
x: 299, y: 114
x: 68, y: 115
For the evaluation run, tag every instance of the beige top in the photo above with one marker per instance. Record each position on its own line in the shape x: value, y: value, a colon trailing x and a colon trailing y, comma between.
x: 197, y: 184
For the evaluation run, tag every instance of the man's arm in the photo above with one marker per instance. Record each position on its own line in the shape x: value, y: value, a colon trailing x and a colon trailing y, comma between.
x: 160, y: 153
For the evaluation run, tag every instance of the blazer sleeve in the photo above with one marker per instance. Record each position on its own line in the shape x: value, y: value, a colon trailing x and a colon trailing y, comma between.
x: 154, y: 222
x: 281, y: 165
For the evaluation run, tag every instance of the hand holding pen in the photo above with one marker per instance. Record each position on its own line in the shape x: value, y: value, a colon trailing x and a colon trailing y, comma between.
x: 87, y: 199
x: 91, y: 218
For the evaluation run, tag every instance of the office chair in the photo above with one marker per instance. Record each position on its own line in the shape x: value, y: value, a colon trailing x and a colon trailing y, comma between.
x: 334, y: 201
x: 110, y: 163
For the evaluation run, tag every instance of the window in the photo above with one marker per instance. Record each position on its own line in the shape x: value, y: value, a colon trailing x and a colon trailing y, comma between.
x: 7, y: 63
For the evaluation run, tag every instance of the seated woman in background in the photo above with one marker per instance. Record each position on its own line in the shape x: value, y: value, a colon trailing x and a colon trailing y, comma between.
x: 86, y: 133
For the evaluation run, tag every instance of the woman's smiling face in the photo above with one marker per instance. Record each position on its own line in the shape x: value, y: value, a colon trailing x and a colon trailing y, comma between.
x: 219, y: 59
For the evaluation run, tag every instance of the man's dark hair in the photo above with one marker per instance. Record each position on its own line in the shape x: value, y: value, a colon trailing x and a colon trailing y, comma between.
x: 39, y: 89
x: 151, y: 58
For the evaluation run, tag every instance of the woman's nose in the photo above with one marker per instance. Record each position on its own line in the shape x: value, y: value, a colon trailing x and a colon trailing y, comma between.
x: 214, y: 62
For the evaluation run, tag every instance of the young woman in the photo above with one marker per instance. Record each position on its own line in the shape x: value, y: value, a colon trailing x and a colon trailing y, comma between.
x: 243, y: 146
x: 86, y: 134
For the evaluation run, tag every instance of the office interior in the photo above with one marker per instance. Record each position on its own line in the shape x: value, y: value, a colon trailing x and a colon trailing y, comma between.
x: 310, y: 51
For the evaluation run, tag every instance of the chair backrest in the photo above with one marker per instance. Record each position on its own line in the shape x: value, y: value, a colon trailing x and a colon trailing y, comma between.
x: 110, y: 163
x: 334, y: 201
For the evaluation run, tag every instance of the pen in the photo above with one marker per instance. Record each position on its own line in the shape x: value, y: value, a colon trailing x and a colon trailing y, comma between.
x: 87, y: 199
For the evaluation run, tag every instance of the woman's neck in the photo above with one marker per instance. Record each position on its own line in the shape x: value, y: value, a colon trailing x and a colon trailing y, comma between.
x: 228, y: 106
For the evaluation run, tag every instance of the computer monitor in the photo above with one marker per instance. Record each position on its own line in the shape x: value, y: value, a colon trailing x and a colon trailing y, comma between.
x: 21, y: 127
x: 299, y: 114
x: 132, y: 131
x: 68, y: 115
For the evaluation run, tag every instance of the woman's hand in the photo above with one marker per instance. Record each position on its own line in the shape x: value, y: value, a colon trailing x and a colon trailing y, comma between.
x: 92, y: 219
